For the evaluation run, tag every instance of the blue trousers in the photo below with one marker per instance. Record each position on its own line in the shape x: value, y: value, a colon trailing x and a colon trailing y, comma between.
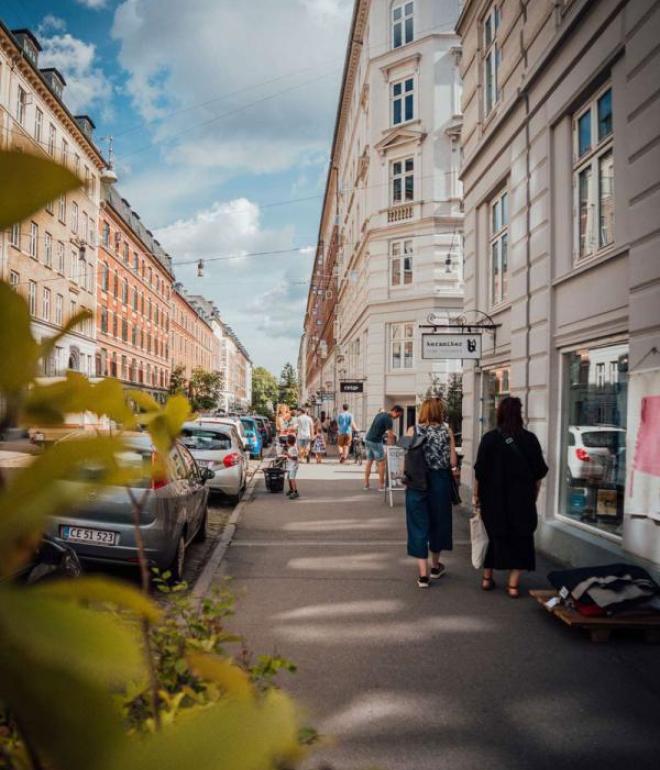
x: 428, y: 516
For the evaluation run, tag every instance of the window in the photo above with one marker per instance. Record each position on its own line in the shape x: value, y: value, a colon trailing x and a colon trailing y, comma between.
x: 48, y: 249
x: 74, y: 217
x: 125, y: 251
x: 14, y: 279
x: 134, y: 299
x: 52, y: 138
x: 104, y: 320
x: 402, y: 180
x: 593, y: 456
x: 21, y: 105
x: 401, y: 263
x: 85, y: 227
x: 105, y: 276
x: 65, y: 152
x: 33, y: 247
x: 403, y: 16
x: 38, y: 124
x: 492, y: 57
x: 76, y: 164
x: 15, y: 235
x: 87, y: 178
x: 114, y: 324
x: 61, y: 209
x: 402, y: 338
x: 124, y: 330
x: 105, y: 235
x: 82, y: 268
x: 124, y: 291
x: 593, y: 175
x: 50, y: 207
x: 136, y: 261
x: 499, y: 244
x: 402, y: 98
x: 45, y: 304
x: 60, y: 257
x: 134, y: 334
x: 32, y: 297
x: 59, y: 309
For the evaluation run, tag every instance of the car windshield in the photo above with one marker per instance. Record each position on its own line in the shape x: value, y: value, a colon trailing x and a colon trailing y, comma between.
x: 248, y: 426
x: 205, y: 439
x: 135, y: 458
x: 604, y: 439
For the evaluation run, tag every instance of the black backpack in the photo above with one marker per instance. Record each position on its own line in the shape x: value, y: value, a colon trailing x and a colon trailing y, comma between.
x: 415, y: 469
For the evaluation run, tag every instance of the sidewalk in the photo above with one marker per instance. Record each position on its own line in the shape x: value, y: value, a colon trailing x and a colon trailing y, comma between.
x: 409, y: 679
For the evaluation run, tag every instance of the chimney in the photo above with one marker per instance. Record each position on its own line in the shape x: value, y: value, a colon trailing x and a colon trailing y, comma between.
x: 55, y: 81
x: 28, y: 44
x: 86, y: 125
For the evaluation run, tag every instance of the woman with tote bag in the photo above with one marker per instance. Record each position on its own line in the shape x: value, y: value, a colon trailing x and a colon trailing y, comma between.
x: 430, y: 464
x: 508, y: 471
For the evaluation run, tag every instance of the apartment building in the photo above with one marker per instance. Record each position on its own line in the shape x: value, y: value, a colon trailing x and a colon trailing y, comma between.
x: 561, y: 175
x: 192, y: 342
x: 133, y: 299
x: 52, y: 257
x: 390, y: 246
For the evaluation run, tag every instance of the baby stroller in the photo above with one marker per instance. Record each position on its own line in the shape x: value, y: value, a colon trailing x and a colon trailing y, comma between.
x: 358, y: 447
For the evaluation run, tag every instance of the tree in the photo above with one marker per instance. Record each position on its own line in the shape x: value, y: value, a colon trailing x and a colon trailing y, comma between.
x: 265, y: 391
x: 204, y: 390
x: 288, y: 386
x: 178, y: 380
x: 454, y: 402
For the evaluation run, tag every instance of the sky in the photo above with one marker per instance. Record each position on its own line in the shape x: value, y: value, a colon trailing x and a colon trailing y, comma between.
x: 221, y: 114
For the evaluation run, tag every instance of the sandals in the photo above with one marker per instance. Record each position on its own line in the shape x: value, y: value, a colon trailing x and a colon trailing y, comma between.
x: 487, y: 584
x: 513, y: 591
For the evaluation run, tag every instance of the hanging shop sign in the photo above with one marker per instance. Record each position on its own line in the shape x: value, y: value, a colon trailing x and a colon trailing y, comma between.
x: 439, y: 345
x: 351, y: 387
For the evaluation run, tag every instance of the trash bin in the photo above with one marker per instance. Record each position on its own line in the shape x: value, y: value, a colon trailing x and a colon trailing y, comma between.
x: 274, y: 478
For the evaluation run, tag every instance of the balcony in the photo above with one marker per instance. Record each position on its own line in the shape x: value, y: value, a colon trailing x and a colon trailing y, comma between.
x: 400, y: 213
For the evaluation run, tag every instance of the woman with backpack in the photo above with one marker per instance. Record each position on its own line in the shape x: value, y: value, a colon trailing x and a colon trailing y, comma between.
x: 431, y: 470
x: 508, y: 473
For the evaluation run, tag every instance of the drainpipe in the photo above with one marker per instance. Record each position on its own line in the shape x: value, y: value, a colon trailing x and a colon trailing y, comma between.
x: 528, y: 255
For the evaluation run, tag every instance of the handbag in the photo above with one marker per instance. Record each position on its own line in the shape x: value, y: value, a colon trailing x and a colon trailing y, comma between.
x: 479, y: 540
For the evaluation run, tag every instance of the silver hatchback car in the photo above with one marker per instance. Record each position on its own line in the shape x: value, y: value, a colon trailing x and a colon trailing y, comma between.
x: 175, y: 512
x: 219, y: 449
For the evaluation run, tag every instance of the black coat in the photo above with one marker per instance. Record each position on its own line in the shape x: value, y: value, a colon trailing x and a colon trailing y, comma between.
x: 507, y: 483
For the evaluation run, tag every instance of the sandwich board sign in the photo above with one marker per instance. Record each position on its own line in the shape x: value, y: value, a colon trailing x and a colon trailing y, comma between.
x: 394, y: 458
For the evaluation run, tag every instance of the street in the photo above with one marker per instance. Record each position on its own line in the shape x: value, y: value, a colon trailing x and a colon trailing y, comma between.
x: 395, y: 677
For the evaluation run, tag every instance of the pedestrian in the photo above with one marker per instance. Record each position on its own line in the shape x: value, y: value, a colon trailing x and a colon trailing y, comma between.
x: 291, y: 454
x: 332, y: 432
x: 318, y: 445
x: 428, y: 504
x: 345, y: 427
x: 508, y: 474
x: 305, y: 426
x: 381, y: 428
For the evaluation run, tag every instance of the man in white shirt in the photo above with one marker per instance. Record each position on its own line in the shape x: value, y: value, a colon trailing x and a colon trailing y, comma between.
x: 305, y: 426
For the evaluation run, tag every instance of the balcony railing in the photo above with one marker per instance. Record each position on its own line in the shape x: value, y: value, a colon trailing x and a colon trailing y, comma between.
x: 400, y: 213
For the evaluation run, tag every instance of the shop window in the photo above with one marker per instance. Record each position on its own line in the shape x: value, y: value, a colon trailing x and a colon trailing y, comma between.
x: 593, y: 453
x: 496, y: 386
x: 593, y: 175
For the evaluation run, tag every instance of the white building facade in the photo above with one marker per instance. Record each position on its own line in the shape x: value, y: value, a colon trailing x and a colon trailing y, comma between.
x: 390, y: 240
x: 561, y: 175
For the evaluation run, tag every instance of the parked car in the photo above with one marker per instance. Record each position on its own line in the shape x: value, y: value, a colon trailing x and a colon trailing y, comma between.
x: 102, y: 528
x: 53, y: 559
x: 232, y: 421
x: 218, y: 448
x: 253, y: 435
x: 262, y: 424
x: 596, y: 453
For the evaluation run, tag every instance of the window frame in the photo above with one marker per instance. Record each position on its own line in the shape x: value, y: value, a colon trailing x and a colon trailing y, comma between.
x: 491, y: 55
x: 403, y: 175
x: 21, y: 105
x: 589, y: 165
x: 401, y: 342
x: 402, y: 98
x: 498, y: 239
x: 399, y: 255
x: 401, y: 22
x: 33, y: 245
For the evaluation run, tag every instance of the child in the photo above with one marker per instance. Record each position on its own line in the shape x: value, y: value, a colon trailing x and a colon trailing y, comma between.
x: 291, y: 454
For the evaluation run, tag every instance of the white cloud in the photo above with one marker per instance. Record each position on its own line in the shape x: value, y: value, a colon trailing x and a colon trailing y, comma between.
x: 282, y: 308
x: 86, y: 84
x: 95, y: 5
x: 266, y: 73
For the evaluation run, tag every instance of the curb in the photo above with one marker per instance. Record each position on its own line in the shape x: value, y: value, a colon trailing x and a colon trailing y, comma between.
x: 205, y: 579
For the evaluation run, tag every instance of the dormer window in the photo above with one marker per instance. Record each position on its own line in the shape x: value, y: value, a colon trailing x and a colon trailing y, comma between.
x: 403, y: 16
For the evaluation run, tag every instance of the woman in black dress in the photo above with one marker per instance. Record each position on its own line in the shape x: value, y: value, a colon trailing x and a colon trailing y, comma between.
x: 508, y: 470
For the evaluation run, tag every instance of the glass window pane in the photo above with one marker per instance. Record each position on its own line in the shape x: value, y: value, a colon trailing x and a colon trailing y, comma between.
x: 410, y: 187
x: 495, y: 274
x: 496, y: 216
x: 488, y: 30
x: 606, y: 201
x: 396, y: 332
x: 409, y: 164
x: 409, y: 84
x: 395, y: 248
x: 490, y: 97
x: 409, y: 9
x: 585, y: 212
x: 397, y: 41
x: 584, y: 133
x: 407, y: 247
x: 410, y: 330
x: 594, y: 436
x: 396, y: 89
x: 407, y: 270
x: 396, y: 167
x: 396, y: 112
x: 505, y: 265
x: 409, y: 30
x: 408, y: 355
x: 409, y: 107
x: 396, y: 355
x: 396, y: 190
x: 505, y: 209
x: 605, y: 115
x: 396, y: 272
x: 396, y: 13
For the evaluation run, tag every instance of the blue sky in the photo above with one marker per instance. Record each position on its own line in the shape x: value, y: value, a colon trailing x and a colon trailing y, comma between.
x: 221, y: 114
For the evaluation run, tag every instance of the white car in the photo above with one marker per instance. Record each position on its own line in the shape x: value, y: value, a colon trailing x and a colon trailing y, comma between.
x: 219, y: 448
x: 234, y: 422
x: 596, y: 453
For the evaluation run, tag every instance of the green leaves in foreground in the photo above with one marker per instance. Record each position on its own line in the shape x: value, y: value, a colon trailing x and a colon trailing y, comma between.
x: 19, y: 198
x: 163, y: 423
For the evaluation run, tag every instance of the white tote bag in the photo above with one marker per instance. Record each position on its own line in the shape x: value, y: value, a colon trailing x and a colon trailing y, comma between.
x: 479, y: 538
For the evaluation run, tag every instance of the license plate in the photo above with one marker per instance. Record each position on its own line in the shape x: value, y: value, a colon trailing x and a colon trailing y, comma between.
x: 203, y: 463
x: 86, y: 535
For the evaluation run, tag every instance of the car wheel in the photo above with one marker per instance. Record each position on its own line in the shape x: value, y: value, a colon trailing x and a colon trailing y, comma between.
x: 177, y: 566
x: 202, y: 532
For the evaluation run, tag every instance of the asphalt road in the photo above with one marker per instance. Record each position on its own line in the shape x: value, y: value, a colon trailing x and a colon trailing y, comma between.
x: 400, y: 678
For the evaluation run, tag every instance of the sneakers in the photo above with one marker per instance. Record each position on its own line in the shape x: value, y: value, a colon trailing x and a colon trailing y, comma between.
x: 438, y: 572
x: 293, y: 495
x: 366, y: 488
x: 423, y: 582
